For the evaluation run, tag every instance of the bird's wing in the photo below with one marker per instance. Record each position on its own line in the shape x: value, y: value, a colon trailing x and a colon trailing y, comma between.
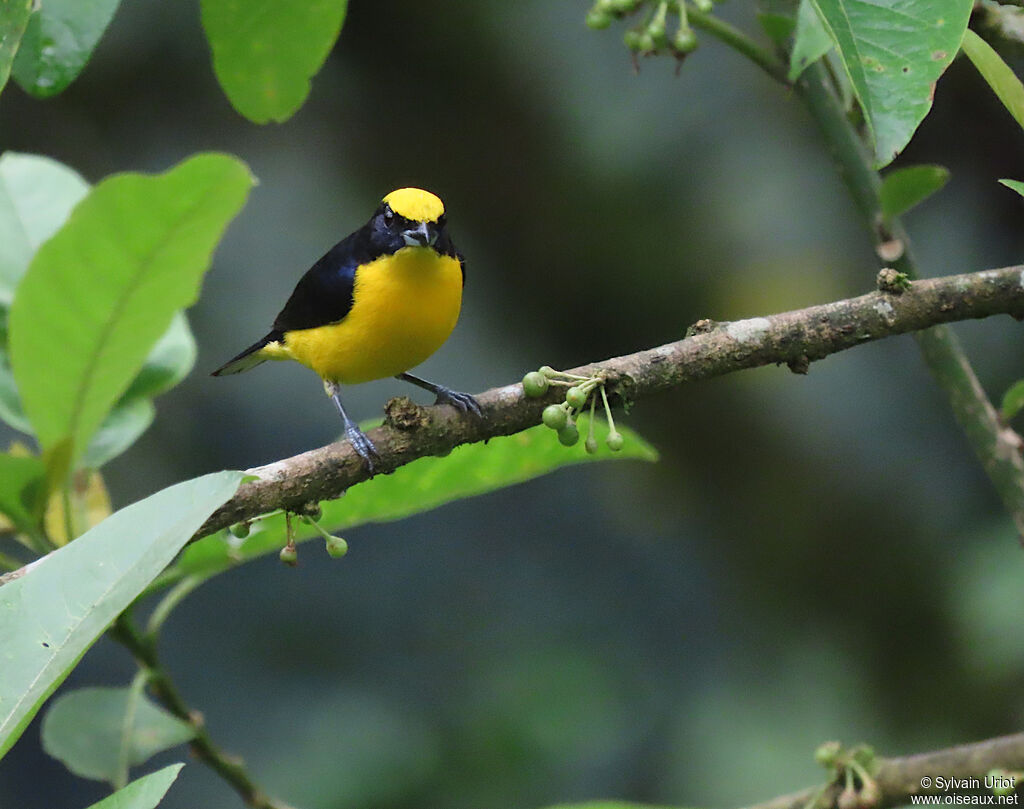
x: 324, y: 294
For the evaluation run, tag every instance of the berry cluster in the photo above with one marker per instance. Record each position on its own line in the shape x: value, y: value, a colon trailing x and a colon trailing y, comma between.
x: 854, y: 770
x: 562, y: 417
x: 650, y: 35
x: 336, y: 546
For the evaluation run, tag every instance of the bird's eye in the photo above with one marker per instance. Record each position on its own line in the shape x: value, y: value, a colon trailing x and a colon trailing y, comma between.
x: 389, y: 215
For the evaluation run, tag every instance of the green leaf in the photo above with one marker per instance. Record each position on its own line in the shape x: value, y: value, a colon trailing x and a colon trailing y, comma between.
x: 14, y: 16
x: 902, y: 189
x: 52, y: 614
x: 470, y: 470
x: 102, y: 291
x: 778, y: 27
x: 143, y: 793
x: 997, y: 73
x: 59, y: 40
x: 84, y: 728
x: 1013, y: 400
x: 1016, y: 185
x: 812, y: 40
x: 120, y: 429
x: 894, y: 51
x: 36, y: 197
x: 168, y: 362
x: 23, y: 491
x: 266, y: 51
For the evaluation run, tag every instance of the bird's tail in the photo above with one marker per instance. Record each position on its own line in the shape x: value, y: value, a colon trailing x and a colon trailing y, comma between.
x: 250, y: 358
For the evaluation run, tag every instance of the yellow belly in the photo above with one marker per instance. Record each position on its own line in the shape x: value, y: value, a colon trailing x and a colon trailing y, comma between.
x: 404, y: 307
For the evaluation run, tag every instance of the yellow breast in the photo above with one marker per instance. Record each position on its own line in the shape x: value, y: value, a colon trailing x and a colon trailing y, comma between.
x: 404, y: 306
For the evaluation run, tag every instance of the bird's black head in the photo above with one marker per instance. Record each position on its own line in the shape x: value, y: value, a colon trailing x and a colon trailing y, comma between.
x: 409, y: 217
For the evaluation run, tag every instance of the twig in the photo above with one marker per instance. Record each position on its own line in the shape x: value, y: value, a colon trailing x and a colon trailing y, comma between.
x: 231, y: 769
x: 793, y: 338
x: 901, y: 777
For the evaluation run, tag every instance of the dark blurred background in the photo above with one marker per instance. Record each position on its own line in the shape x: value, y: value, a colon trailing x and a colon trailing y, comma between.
x: 814, y: 557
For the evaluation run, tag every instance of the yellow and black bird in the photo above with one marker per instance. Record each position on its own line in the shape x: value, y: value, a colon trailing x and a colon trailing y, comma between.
x: 380, y: 302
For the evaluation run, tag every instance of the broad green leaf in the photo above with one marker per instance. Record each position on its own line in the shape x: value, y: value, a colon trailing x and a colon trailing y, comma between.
x: 894, y: 51
x: 59, y: 40
x: 266, y: 51
x: 143, y: 793
x: 84, y: 728
x: 36, y: 197
x: 902, y: 189
x: 812, y: 40
x: 1016, y: 185
x: 1013, y: 400
x: 168, y: 362
x: 121, y: 428
x: 778, y: 27
x: 10, y: 405
x: 997, y: 73
x: 14, y: 16
x: 52, y: 614
x: 470, y: 470
x: 23, y: 491
x: 101, y: 292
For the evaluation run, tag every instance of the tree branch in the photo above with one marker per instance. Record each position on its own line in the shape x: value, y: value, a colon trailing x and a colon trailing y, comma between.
x: 901, y: 777
x: 793, y: 338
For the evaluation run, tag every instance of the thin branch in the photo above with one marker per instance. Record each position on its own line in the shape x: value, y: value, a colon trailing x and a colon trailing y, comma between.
x: 793, y: 338
x: 902, y: 777
x: 230, y: 768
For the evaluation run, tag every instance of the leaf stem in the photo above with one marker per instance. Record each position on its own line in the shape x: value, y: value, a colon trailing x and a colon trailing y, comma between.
x: 739, y: 41
x: 124, y: 752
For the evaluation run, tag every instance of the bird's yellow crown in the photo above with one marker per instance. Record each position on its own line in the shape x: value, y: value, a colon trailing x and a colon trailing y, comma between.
x: 415, y: 204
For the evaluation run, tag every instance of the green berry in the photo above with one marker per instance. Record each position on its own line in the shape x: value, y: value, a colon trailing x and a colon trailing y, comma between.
x: 598, y: 19
x: 685, y: 41
x: 555, y: 417
x: 615, y: 441
x: 590, y: 445
x: 546, y: 370
x: 535, y: 384
x: 633, y: 40
x: 568, y: 435
x: 289, y: 555
x: 645, y: 42
x: 827, y: 753
x: 240, y: 530
x: 336, y: 547
x: 576, y: 397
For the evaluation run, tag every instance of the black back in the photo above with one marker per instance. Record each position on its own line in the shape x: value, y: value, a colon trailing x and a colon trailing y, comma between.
x: 324, y: 294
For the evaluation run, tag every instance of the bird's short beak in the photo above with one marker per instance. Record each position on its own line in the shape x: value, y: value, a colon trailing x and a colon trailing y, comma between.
x: 423, y: 235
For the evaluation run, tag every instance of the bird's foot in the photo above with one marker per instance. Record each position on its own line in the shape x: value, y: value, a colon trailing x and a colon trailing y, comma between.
x: 460, y: 401
x: 363, y: 446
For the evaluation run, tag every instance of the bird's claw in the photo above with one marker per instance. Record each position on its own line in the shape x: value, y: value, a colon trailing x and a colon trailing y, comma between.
x: 462, y: 402
x: 364, y: 447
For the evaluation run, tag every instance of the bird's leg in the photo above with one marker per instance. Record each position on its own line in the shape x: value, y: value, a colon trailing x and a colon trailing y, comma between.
x: 460, y: 401
x: 360, y: 443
